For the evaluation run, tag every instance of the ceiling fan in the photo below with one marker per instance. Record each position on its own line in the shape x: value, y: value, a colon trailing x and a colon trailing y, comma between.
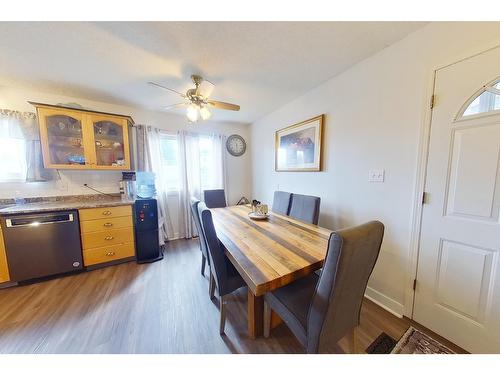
x: 197, y: 101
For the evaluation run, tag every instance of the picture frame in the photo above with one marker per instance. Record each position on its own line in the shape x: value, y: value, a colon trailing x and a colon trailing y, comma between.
x: 298, y: 147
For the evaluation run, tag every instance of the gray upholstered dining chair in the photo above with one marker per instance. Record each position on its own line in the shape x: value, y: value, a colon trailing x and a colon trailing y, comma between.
x: 281, y: 202
x: 305, y: 208
x: 223, y: 274
x: 215, y: 198
x: 321, y: 310
x: 201, y: 235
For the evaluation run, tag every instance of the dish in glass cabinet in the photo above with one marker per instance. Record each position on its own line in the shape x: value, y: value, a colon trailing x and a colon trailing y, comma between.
x: 256, y: 216
x: 76, y: 159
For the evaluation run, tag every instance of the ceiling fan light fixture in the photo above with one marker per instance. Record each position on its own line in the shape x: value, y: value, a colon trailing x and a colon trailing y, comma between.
x: 192, y: 113
x: 197, y: 100
x: 205, y: 113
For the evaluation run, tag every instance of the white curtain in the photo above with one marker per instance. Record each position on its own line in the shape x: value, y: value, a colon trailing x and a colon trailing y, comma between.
x: 23, y: 125
x: 202, y: 166
x: 149, y: 159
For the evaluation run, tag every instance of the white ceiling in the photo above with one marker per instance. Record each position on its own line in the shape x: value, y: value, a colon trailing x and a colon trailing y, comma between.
x: 258, y: 65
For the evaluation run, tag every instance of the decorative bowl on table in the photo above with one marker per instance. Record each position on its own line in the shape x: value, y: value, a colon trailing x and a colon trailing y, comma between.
x: 258, y: 216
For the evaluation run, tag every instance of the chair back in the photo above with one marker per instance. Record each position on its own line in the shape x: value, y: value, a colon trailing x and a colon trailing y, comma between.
x: 197, y: 223
x: 281, y: 202
x: 336, y: 304
x: 215, y: 198
x: 215, y: 249
x: 305, y: 208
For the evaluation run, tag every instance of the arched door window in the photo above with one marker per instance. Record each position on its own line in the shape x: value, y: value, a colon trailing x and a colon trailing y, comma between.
x: 485, y: 101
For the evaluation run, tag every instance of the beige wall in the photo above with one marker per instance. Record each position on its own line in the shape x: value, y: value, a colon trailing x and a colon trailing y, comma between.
x: 71, y: 182
x: 374, y: 115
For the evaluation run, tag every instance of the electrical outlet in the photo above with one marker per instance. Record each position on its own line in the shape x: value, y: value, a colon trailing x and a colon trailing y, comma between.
x: 376, y: 175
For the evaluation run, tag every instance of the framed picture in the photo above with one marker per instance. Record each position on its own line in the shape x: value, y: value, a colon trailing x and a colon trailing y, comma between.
x: 298, y: 147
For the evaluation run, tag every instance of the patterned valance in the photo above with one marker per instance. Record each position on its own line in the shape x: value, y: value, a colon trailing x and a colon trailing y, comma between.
x: 17, y: 114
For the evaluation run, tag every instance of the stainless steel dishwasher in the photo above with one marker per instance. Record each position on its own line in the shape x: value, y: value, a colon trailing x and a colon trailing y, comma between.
x: 42, y: 244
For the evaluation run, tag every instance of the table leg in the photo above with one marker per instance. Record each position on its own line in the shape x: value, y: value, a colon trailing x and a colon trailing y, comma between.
x: 255, y: 315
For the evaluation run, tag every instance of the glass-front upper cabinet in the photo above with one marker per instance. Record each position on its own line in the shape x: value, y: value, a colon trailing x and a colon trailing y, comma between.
x: 110, y: 141
x: 74, y: 139
x: 62, y: 135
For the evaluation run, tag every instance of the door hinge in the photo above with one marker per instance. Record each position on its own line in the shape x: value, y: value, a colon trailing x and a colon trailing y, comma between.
x: 425, y: 197
x: 433, y: 101
x: 414, y: 284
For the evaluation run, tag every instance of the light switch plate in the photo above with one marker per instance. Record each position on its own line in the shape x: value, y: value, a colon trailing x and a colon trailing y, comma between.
x: 376, y: 175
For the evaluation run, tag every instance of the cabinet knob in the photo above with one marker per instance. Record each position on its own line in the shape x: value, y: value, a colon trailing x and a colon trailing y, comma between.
x: 108, y: 238
x: 106, y: 213
x: 110, y: 253
x: 108, y: 224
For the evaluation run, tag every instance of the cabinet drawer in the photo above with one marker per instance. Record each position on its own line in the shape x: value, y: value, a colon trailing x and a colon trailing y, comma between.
x: 107, y: 237
x: 107, y: 253
x: 104, y: 212
x: 105, y: 224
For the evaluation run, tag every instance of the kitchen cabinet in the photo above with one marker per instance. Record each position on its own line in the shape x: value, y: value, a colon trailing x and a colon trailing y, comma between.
x: 4, y: 269
x: 81, y: 139
x: 107, y: 234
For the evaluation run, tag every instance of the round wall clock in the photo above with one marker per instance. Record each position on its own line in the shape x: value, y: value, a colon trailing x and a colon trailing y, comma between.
x: 236, y: 145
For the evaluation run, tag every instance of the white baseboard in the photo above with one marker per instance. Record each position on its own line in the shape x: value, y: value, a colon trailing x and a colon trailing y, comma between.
x: 385, y: 302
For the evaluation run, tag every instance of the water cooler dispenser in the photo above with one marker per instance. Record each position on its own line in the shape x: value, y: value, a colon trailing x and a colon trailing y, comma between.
x: 147, y: 241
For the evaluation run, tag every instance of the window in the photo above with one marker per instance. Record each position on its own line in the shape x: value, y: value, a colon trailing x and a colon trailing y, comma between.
x: 169, y: 148
x: 487, y: 100
x: 203, y: 164
x: 12, y: 159
x: 12, y: 148
x: 208, y: 164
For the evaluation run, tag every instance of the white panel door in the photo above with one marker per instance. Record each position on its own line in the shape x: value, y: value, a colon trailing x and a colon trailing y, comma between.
x: 458, y: 278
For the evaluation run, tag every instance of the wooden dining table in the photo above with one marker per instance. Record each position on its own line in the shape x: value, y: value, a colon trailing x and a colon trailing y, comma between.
x: 269, y: 253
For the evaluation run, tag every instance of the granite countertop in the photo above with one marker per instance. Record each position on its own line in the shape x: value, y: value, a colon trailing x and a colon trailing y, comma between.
x: 73, y: 202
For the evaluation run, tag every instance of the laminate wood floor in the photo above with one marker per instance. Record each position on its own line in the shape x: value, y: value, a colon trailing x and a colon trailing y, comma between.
x: 161, y: 307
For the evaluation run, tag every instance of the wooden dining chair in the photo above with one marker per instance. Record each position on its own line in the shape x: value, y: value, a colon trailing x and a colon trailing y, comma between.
x: 215, y: 198
x: 322, y: 310
x: 305, y: 208
x: 201, y: 235
x: 281, y: 202
x: 223, y: 274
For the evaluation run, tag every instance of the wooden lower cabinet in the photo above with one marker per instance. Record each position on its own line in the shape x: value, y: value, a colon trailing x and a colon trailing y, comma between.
x: 4, y: 268
x: 107, y: 234
x: 105, y: 224
x: 106, y: 254
x: 104, y: 212
x: 107, y: 237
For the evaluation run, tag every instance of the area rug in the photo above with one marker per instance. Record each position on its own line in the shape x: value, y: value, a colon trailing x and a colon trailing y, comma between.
x: 417, y: 342
x: 412, y: 342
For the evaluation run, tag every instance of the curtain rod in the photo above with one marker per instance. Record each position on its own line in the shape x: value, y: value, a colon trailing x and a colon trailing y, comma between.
x: 172, y: 131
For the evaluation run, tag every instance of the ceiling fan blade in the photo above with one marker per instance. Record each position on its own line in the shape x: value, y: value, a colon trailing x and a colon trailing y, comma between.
x: 224, y: 105
x: 176, y: 106
x: 206, y: 88
x: 166, y: 88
